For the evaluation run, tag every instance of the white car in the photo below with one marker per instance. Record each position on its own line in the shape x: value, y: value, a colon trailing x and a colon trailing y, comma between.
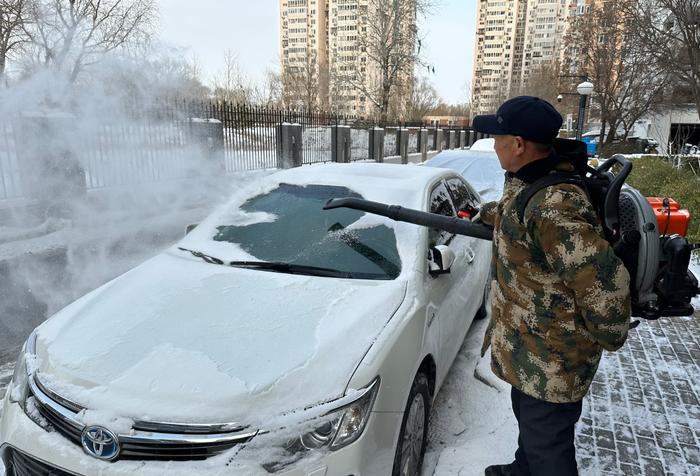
x: 479, y: 165
x: 275, y: 338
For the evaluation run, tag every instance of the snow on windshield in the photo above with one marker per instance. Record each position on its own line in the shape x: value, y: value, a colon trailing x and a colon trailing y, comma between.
x: 384, y: 183
x: 305, y: 234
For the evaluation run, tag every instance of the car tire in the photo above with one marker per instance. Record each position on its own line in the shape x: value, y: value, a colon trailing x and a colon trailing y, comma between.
x: 413, y: 437
x: 483, y: 311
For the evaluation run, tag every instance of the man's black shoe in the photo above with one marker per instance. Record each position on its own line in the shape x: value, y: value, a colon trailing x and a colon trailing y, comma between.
x: 501, y: 470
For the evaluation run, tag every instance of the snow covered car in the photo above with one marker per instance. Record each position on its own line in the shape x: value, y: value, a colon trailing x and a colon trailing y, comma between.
x: 275, y: 338
x: 479, y: 165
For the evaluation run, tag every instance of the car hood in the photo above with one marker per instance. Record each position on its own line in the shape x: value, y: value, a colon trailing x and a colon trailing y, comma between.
x: 178, y: 339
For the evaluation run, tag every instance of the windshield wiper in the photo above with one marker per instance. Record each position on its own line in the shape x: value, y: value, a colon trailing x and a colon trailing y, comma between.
x: 207, y: 258
x: 282, y: 267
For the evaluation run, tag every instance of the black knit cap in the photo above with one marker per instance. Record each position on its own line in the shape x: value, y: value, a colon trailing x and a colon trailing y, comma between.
x: 529, y: 117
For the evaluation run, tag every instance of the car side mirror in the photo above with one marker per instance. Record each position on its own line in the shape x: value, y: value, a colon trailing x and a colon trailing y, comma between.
x: 189, y: 228
x: 440, y: 260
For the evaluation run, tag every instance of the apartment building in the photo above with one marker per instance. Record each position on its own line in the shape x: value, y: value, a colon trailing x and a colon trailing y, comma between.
x: 513, y: 39
x: 324, y: 54
x: 304, y: 51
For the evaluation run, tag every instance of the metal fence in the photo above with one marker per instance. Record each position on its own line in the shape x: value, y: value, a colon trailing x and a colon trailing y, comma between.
x: 176, y: 139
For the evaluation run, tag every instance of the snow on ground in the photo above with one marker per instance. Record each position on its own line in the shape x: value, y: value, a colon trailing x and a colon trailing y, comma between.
x: 472, y: 425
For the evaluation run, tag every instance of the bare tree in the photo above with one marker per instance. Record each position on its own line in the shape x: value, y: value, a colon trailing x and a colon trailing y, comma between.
x: 670, y: 31
x: 12, y: 19
x: 302, y: 82
x: 268, y: 93
x: 161, y: 75
x: 71, y: 35
x: 423, y: 100
x: 543, y: 82
x: 230, y: 84
x: 385, y: 52
x: 627, y: 82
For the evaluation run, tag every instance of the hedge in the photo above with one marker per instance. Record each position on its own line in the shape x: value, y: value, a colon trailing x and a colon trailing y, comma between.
x: 656, y: 177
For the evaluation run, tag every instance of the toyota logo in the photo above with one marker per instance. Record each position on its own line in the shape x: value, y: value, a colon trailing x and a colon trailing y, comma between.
x: 100, y: 442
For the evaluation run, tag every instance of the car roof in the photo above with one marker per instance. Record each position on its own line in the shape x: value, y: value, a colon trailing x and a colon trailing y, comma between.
x: 480, y: 168
x: 364, y: 171
x: 404, y: 185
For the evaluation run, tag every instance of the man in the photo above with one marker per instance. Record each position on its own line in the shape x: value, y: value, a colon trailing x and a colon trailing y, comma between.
x: 559, y: 295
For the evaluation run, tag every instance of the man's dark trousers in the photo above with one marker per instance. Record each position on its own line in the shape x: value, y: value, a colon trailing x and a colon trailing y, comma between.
x: 546, y: 440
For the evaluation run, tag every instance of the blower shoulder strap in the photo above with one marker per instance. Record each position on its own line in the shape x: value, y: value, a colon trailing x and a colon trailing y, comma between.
x: 549, y: 180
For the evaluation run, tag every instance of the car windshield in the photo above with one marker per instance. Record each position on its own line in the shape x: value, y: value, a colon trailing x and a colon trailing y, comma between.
x: 302, y: 233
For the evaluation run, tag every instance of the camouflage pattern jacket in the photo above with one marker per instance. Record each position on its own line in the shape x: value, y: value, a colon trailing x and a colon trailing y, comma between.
x: 559, y: 294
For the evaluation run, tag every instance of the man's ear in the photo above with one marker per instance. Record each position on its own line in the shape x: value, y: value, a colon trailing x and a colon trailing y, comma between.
x: 519, y: 145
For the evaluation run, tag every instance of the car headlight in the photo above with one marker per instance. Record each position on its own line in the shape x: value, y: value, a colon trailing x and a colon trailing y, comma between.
x: 339, y: 427
x: 335, y: 429
x: 19, y: 386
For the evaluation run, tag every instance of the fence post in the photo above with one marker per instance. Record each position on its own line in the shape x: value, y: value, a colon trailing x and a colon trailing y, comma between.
x: 50, y: 170
x: 423, y: 144
x: 402, y: 144
x: 207, y: 135
x: 376, y: 144
x: 340, y: 143
x: 451, y: 140
x: 289, y: 146
x: 472, y: 137
x: 438, y: 140
x: 462, y: 139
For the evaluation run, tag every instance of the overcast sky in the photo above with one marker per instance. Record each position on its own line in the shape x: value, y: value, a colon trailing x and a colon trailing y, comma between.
x: 207, y: 28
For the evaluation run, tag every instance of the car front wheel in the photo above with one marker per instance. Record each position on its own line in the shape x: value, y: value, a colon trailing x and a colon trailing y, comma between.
x: 414, y: 430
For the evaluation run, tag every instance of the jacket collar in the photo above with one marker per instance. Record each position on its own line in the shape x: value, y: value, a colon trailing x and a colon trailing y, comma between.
x: 537, y: 169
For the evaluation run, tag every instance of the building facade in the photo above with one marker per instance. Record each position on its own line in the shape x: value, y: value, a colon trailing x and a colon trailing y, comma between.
x: 514, y: 39
x: 327, y: 51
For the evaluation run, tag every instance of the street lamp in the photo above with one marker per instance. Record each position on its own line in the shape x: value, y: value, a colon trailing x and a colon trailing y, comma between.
x: 584, y: 90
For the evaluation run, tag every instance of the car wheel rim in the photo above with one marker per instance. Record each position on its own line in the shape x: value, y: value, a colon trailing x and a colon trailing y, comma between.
x: 414, y: 434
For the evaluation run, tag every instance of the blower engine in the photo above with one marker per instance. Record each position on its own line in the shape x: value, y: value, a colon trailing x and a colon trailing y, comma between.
x: 648, y: 234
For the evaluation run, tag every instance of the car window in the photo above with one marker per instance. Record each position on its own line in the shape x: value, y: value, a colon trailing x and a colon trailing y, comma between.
x: 463, y: 196
x: 298, y: 231
x: 441, y: 204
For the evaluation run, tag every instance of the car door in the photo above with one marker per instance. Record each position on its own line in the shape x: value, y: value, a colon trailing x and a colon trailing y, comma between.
x: 471, y: 289
x: 445, y: 301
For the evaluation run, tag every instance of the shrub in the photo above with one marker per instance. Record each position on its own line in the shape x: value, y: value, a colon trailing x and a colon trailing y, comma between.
x: 655, y: 177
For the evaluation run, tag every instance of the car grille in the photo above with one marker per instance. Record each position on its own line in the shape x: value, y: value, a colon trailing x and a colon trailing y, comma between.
x: 21, y: 464
x: 147, y: 440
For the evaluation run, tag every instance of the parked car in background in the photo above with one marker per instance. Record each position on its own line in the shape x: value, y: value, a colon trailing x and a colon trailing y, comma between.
x: 591, y: 140
x: 275, y: 338
x: 479, y: 165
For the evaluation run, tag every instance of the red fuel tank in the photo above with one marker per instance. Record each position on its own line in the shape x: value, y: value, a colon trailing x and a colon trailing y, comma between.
x: 671, y: 219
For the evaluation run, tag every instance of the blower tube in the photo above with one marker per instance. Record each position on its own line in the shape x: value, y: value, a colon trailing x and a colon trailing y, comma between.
x: 408, y: 215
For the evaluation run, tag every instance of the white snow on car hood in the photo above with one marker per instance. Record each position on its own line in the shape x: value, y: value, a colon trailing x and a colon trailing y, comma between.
x: 177, y: 339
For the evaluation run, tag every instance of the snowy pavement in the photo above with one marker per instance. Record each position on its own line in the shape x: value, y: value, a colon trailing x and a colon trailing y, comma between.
x: 641, y: 417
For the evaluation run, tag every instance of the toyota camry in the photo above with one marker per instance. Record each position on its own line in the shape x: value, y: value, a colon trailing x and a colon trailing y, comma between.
x: 275, y: 338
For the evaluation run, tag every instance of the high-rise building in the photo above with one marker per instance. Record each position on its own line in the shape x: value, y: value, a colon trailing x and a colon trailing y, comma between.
x: 325, y: 55
x: 304, y: 51
x: 513, y: 39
